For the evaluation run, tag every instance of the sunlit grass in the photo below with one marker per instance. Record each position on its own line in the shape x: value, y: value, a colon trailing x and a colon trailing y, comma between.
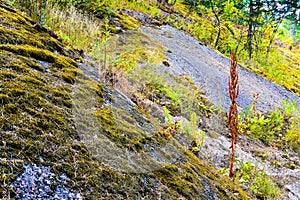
x: 77, y: 30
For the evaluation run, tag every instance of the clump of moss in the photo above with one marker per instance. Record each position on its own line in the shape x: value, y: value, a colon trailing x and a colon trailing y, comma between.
x: 128, y: 22
x: 7, y: 74
x: 39, y: 54
x: 20, y: 30
x: 4, y: 99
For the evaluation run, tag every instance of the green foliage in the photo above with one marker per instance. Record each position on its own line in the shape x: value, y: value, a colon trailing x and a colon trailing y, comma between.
x: 261, y: 127
x: 180, y: 96
x: 194, y: 125
x: 245, y: 172
x: 224, y: 26
x: 262, y: 186
x: 292, y: 135
x: 76, y: 30
x: 168, y: 115
x: 274, y: 125
x: 221, y: 24
x: 202, y: 134
x: 290, y: 108
x: 190, y: 128
x: 257, y: 181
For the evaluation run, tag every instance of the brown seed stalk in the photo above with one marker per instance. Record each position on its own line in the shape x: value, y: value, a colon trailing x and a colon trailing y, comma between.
x: 233, y: 112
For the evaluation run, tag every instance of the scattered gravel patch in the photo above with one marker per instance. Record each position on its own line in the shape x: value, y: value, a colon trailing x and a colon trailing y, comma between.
x: 37, y: 182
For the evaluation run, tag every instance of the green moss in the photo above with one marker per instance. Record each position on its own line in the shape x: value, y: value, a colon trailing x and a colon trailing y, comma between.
x: 10, y: 108
x: 138, y: 48
x: 32, y: 80
x: 118, y: 131
x: 169, y: 170
x: 184, y: 188
x: 7, y: 75
x: 128, y: 22
x: 16, y: 92
x: 40, y: 54
x: 4, y: 99
x: 18, y: 67
x: 68, y: 77
x: 17, y: 29
x: 13, y: 36
x: 37, y: 67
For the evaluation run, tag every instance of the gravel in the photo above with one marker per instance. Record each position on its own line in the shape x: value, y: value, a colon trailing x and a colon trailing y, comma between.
x: 38, y: 182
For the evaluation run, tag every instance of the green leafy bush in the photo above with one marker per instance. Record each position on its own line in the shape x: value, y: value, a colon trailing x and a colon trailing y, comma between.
x: 282, y: 124
x: 263, y: 187
x: 257, y: 181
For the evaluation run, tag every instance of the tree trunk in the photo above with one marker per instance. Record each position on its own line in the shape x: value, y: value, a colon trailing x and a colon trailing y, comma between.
x: 219, y: 27
x: 292, y: 31
x: 272, y: 38
x: 239, y: 42
x: 250, y: 29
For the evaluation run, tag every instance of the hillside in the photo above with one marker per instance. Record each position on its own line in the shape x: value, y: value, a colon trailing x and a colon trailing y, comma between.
x: 126, y: 100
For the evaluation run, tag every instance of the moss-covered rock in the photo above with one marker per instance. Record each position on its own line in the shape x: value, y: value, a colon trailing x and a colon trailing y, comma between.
x: 53, y: 114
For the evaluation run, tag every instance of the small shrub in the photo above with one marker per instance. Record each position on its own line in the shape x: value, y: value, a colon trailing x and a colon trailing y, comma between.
x: 292, y: 135
x: 280, y: 124
x: 263, y: 187
x: 257, y: 181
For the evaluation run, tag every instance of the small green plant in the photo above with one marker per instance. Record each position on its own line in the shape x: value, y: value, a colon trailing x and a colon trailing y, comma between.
x: 290, y: 108
x: 256, y: 180
x: 168, y: 115
x: 202, y: 134
x: 100, y: 52
x: 292, y: 136
x: 190, y: 128
x: 245, y: 172
x: 224, y: 170
x: 262, y: 186
x: 194, y: 126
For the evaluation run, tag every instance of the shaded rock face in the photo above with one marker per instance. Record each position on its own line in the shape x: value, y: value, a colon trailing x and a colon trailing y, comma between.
x: 61, y: 126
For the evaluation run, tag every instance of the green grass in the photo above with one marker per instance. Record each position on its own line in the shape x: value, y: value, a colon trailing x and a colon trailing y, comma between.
x: 77, y: 30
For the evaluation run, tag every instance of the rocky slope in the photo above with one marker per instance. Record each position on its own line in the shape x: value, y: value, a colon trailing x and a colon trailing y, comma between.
x: 65, y: 135
x: 210, y: 70
x: 185, y: 57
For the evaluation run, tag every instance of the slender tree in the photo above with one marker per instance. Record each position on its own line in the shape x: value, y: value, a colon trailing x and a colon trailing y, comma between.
x: 250, y: 28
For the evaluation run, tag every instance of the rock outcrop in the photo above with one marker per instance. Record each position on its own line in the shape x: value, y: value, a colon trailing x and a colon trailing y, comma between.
x: 65, y: 135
